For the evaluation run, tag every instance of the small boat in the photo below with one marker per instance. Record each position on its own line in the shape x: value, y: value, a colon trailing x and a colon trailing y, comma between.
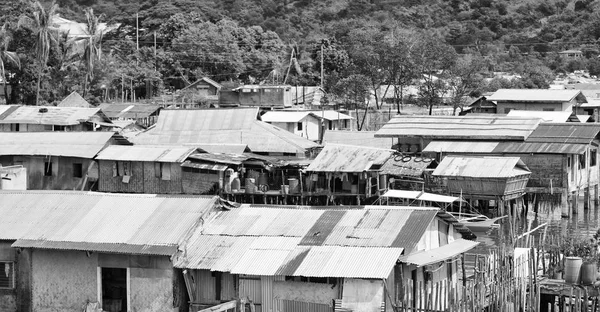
x: 477, y: 222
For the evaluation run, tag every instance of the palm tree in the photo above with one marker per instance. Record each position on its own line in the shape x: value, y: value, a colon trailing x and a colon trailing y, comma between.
x: 6, y: 56
x: 91, y: 46
x: 40, y: 23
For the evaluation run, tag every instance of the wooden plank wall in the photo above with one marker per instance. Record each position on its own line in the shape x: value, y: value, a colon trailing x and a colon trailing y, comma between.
x: 144, y: 179
x: 62, y: 171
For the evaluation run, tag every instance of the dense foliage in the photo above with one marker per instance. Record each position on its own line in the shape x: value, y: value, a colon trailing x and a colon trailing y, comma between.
x: 364, y: 44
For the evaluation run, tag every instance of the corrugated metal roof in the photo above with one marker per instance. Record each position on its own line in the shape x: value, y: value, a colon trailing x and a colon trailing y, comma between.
x: 571, y: 133
x: 223, y: 148
x: 306, y: 242
x: 62, y: 116
x: 406, y: 166
x: 461, y: 147
x: 459, y: 127
x: 535, y: 95
x: 348, y: 262
x: 222, y: 126
x: 347, y: 158
x: 74, y: 100
x: 285, y: 116
x: 356, y: 138
x: 495, y: 167
x: 213, y: 167
x: 129, y: 110
x: 124, y: 223
x: 440, y: 254
x: 539, y: 148
x: 545, y: 116
x: 146, y: 153
x: 69, y: 144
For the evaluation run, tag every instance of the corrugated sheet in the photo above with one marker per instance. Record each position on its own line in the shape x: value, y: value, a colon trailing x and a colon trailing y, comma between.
x: 356, y: 138
x: 99, y: 247
x: 347, y: 158
x: 461, y: 147
x: 459, y: 127
x: 90, y: 221
x: 545, y: 116
x: 129, y: 111
x: 146, y: 153
x: 70, y: 144
x: 348, y: 262
x: 435, y: 255
x: 233, y: 159
x: 406, y: 166
x: 204, y: 166
x: 270, y: 241
x: 495, y: 167
x: 63, y: 116
x: 228, y: 126
x: 223, y: 148
x: 570, y: 133
x: 539, y: 148
x: 285, y: 116
x: 74, y: 100
x: 534, y: 95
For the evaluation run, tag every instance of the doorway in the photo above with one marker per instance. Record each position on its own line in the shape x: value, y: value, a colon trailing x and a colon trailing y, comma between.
x: 114, y: 289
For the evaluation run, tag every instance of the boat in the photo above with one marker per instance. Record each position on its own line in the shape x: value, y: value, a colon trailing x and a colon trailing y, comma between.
x: 477, y: 222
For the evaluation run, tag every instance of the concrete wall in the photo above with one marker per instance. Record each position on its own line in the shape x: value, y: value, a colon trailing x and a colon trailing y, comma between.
x: 63, y: 280
x: 151, y: 289
x: 62, y: 171
x: 305, y: 292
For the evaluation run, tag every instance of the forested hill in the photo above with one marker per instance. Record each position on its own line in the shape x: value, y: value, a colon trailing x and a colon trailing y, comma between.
x: 538, y: 25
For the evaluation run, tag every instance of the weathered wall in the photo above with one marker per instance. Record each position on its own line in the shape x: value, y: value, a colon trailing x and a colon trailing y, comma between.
x: 502, y: 107
x: 62, y: 171
x: 195, y: 181
x: 143, y: 179
x: 151, y: 289
x: 154, y: 184
x: 543, y: 169
x: 63, y: 280
x: 305, y: 292
x: 8, y: 297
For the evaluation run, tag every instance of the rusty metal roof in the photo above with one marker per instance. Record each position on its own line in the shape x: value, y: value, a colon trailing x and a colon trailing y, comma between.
x: 481, y: 167
x: 69, y: 144
x: 358, y: 242
x: 459, y: 127
x: 356, y: 138
x: 408, y: 166
x: 536, y: 95
x: 222, y: 126
x: 124, y: 223
x: 146, y: 153
x: 52, y: 115
x: 129, y: 110
x: 348, y: 158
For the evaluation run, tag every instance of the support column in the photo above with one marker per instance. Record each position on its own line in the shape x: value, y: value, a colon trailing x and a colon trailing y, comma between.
x: 564, y: 203
x: 596, y: 195
x: 574, y: 202
x: 586, y: 198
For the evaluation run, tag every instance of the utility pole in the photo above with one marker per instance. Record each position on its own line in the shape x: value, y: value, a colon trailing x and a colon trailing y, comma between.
x: 321, y: 64
x: 137, y: 32
x: 155, y: 43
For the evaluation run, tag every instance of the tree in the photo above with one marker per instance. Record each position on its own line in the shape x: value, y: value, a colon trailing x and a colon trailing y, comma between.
x: 6, y: 56
x: 401, y: 49
x: 465, y: 78
x: 40, y: 24
x: 91, y: 46
x: 435, y: 59
x: 354, y: 92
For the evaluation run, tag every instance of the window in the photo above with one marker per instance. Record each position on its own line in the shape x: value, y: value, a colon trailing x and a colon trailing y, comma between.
x: 548, y: 109
x: 121, y: 168
x: 114, y: 289
x: 299, y: 126
x: 162, y: 171
x: 331, y: 125
x: 507, y: 110
x: 581, y: 161
x: 14, y: 127
x: 47, y: 168
x: 59, y: 128
x: 7, y: 275
x: 77, y: 170
x: 593, y: 157
x: 48, y: 127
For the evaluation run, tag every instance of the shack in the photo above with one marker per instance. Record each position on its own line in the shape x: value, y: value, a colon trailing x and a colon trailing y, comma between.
x: 72, y: 248
x: 407, y: 172
x: 57, y: 160
x: 142, y: 169
x: 537, y: 100
x: 144, y: 115
x: 503, y: 179
x: 346, y: 174
x: 225, y: 126
x: 15, y: 118
x: 203, y: 89
x: 413, y: 133
x: 309, y: 259
x: 263, y: 96
x: 301, y: 123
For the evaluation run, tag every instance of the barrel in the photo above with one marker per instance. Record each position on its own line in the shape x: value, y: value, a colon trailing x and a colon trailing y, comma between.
x: 250, y: 186
x: 588, y: 273
x: 262, y: 179
x: 294, y: 185
x: 572, y: 269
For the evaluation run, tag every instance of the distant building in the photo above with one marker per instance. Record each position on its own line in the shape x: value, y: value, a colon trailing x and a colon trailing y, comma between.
x: 481, y: 105
x: 144, y: 115
x: 15, y: 118
x: 203, y: 89
x: 74, y: 100
x: 536, y: 100
x: 301, y: 123
x: 257, y: 96
x: 571, y: 54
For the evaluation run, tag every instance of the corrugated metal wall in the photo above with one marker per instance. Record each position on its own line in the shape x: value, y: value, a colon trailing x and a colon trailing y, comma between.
x: 267, y: 291
x: 250, y: 287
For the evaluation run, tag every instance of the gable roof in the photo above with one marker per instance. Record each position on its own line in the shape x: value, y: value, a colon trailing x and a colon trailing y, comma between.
x: 52, y: 115
x: 129, y: 111
x: 459, y: 127
x: 173, y: 154
x: 495, y: 167
x: 537, y: 95
x: 554, y: 138
x: 68, y: 144
x: 356, y: 138
x: 204, y: 79
x: 222, y: 126
x: 348, y: 158
x: 74, y: 100
x: 359, y: 243
x: 92, y: 221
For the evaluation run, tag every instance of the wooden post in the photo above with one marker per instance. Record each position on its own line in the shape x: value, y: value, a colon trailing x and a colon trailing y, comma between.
x: 596, y: 195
